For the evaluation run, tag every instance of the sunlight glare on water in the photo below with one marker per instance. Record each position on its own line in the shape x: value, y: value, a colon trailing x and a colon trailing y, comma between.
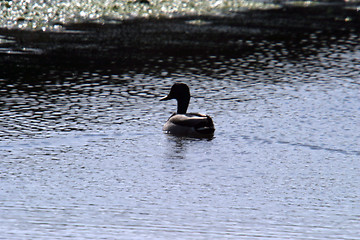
x: 44, y: 14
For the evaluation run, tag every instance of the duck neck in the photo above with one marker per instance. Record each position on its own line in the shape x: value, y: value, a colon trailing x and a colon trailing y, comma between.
x: 182, y: 105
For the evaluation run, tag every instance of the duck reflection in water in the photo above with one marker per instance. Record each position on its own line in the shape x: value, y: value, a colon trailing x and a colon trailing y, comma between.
x: 186, y: 124
x: 181, y: 148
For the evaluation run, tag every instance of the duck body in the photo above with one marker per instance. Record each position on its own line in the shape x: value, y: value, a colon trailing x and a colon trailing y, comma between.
x: 186, y: 124
x: 190, y: 124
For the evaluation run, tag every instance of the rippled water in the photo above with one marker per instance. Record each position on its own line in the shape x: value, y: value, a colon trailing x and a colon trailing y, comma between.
x: 83, y: 155
x: 40, y: 14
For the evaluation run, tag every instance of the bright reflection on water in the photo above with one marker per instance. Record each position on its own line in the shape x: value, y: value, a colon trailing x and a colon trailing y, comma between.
x: 40, y: 14
x: 83, y: 155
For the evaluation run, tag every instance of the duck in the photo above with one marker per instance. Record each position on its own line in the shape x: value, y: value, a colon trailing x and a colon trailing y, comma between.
x: 182, y: 123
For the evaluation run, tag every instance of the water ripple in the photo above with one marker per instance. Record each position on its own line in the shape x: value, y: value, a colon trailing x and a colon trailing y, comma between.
x: 83, y: 155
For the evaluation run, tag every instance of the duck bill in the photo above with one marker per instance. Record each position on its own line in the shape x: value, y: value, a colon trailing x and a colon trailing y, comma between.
x: 165, y: 98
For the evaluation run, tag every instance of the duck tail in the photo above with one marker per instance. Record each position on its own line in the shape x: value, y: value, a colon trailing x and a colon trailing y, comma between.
x: 207, y: 127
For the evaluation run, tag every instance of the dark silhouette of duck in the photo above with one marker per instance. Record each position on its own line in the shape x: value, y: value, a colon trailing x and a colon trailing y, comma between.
x: 186, y: 124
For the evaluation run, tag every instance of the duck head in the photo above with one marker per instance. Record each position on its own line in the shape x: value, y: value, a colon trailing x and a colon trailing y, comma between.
x: 180, y: 92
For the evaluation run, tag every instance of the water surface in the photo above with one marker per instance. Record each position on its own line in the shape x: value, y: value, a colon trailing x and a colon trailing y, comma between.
x: 83, y: 155
x: 50, y: 15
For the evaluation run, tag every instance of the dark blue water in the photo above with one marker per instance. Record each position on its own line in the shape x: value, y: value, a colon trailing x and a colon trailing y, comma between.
x: 83, y: 155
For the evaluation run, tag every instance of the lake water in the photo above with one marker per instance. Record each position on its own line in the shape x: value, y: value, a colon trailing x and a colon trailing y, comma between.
x: 83, y: 155
x: 40, y: 14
